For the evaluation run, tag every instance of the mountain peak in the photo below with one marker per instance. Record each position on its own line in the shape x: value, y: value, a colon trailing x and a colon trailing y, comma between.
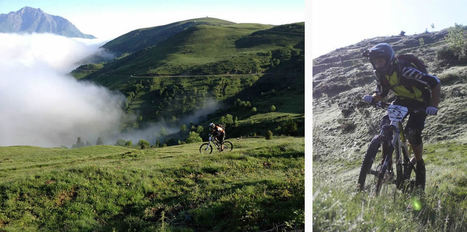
x: 34, y: 20
x: 29, y: 9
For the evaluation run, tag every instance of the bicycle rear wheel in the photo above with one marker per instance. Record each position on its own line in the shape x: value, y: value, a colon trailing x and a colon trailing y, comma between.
x: 205, y: 148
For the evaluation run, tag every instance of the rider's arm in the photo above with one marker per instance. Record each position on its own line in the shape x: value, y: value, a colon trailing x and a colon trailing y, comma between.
x: 381, y: 90
x: 435, y: 95
x: 428, y: 80
x: 435, y: 84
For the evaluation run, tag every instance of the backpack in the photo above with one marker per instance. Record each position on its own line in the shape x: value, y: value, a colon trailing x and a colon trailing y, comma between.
x: 221, y: 126
x: 411, y: 60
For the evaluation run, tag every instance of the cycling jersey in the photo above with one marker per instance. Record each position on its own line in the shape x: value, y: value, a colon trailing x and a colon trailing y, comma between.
x: 218, y: 132
x: 406, y: 86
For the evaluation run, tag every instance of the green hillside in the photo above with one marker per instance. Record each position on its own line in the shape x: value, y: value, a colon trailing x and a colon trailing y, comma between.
x: 257, y: 186
x: 146, y: 37
x: 170, y: 77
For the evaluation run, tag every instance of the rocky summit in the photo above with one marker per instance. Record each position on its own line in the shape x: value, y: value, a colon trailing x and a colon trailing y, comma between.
x: 343, y: 124
x: 32, y: 20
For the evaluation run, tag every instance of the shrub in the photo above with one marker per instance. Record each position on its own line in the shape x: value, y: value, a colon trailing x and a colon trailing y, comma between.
x: 227, y: 119
x: 128, y: 143
x: 120, y: 142
x: 455, y: 37
x: 269, y: 135
x: 143, y: 144
x: 193, y: 137
x: 183, y: 128
x: 273, y: 108
x: 199, y: 129
x: 456, y: 51
x: 79, y: 143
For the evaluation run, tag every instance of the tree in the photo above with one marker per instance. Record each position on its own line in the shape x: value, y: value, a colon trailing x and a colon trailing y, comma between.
x: 456, y: 39
x: 273, y: 108
x: 163, y: 132
x: 128, y: 143
x: 227, y: 119
x: 143, y: 144
x: 183, y: 128
x: 254, y: 110
x: 120, y: 142
x: 79, y: 143
x: 269, y: 135
x: 99, y: 141
x: 193, y: 137
x: 199, y: 129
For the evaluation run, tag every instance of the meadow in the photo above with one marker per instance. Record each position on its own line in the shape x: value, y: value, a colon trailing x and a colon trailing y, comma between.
x: 257, y: 186
x: 338, y: 206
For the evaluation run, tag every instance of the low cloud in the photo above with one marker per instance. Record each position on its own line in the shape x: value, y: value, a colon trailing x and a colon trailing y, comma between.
x: 155, y: 131
x: 40, y: 103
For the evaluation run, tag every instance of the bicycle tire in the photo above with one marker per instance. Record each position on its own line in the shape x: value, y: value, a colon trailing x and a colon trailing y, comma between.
x: 399, y: 175
x: 368, y: 161
x: 379, y: 182
x: 228, y: 146
x: 205, y: 148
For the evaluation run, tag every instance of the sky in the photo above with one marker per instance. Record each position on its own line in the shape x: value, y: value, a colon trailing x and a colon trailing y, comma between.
x: 107, y: 19
x: 336, y: 23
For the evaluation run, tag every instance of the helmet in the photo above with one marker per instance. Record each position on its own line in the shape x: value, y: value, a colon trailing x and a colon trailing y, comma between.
x: 212, y: 125
x: 385, y: 51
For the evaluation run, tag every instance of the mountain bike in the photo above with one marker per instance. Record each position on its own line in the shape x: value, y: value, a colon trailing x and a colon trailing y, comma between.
x: 391, y: 138
x: 207, y: 147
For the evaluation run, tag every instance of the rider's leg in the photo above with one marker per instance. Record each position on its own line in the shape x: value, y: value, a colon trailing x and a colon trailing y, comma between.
x: 414, y: 129
x: 387, y: 133
x: 221, y: 139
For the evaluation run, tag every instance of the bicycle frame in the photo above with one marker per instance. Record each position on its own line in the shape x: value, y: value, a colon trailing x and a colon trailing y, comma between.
x: 398, y: 144
x: 214, y: 141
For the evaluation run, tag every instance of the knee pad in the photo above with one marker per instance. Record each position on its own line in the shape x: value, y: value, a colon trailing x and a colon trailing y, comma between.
x: 414, y: 136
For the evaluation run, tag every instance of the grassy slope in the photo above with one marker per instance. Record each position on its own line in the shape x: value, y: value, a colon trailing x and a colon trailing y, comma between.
x: 196, y: 45
x: 232, y: 50
x: 146, y: 37
x: 337, y: 206
x: 258, y: 186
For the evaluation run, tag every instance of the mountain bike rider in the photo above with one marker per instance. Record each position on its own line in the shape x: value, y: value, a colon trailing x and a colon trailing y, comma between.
x: 218, y: 132
x: 413, y: 88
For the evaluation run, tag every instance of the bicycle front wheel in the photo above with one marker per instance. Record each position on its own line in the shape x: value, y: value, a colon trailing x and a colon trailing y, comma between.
x: 205, y: 148
x: 228, y: 146
x: 368, y: 161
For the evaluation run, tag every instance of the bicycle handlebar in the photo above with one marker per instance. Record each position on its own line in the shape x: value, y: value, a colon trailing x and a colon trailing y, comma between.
x: 384, y: 105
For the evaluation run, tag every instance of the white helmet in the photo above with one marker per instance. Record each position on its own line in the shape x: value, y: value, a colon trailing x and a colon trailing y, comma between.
x: 212, y: 124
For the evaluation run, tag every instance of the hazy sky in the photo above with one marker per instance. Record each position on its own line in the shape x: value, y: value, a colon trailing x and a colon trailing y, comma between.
x: 108, y: 19
x: 338, y: 23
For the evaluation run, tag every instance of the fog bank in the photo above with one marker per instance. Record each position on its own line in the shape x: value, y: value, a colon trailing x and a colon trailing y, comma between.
x: 40, y: 104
